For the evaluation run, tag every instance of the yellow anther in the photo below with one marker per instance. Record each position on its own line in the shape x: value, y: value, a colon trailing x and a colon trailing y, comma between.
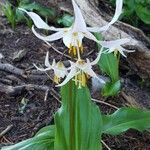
x: 56, y: 79
x: 60, y: 65
x: 81, y: 62
x: 74, y: 51
x: 75, y: 34
x: 83, y: 80
x: 115, y: 52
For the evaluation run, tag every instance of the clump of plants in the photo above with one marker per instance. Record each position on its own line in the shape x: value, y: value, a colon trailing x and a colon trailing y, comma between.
x: 15, y: 16
x: 79, y: 123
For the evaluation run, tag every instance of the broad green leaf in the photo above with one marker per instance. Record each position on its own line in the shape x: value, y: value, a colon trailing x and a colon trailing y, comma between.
x: 43, y: 140
x: 50, y: 128
x: 78, y: 121
x: 143, y: 13
x: 109, y: 64
x: 66, y: 20
x: 111, y: 89
x: 124, y: 119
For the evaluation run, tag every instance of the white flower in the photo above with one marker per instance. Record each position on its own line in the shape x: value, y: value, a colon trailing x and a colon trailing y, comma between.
x: 81, y: 70
x: 72, y: 36
x: 115, y: 46
x: 60, y: 71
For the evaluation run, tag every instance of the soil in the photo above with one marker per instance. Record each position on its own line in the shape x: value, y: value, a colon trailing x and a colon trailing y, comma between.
x: 26, y: 119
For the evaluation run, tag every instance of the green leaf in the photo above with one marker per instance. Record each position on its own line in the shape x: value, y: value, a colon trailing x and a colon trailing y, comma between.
x: 20, y: 17
x: 43, y: 140
x: 41, y: 10
x: 78, y: 121
x: 50, y: 128
x: 124, y: 119
x: 143, y: 13
x: 109, y: 64
x: 66, y: 20
x: 111, y: 89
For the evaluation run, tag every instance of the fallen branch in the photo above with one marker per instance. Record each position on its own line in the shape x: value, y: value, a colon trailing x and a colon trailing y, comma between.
x: 11, y: 69
x: 6, y: 130
x: 17, y: 90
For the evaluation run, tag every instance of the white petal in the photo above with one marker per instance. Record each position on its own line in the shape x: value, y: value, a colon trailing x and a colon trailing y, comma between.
x: 47, y: 64
x: 98, y: 57
x: 97, y: 29
x: 70, y: 39
x: 121, y: 49
x: 79, y: 38
x: 129, y: 51
x: 41, y: 69
x: 67, y: 39
x: 118, y: 11
x: 115, y: 43
x: 112, y: 49
x: 53, y: 63
x: 60, y: 72
x: 71, y: 74
x: 90, y: 72
x: 79, y: 23
x: 90, y: 36
x: 87, y: 68
x: 39, y: 23
x: 50, y: 38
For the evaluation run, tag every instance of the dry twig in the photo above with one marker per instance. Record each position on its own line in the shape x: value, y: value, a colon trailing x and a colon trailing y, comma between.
x: 6, y: 130
x: 105, y: 103
x: 105, y: 145
x: 56, y: 50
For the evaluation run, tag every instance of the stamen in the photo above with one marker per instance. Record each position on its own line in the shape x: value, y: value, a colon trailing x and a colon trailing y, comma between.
x: 115, y: 52
x: 74, y: 51
x: 75, y: 34
x: 81, y: 48
x: 56, y: 79
x: 70, y: 49
x: 83, y: 81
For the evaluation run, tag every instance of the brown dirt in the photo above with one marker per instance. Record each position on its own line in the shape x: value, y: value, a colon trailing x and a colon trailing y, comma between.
x: 38, y: 113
